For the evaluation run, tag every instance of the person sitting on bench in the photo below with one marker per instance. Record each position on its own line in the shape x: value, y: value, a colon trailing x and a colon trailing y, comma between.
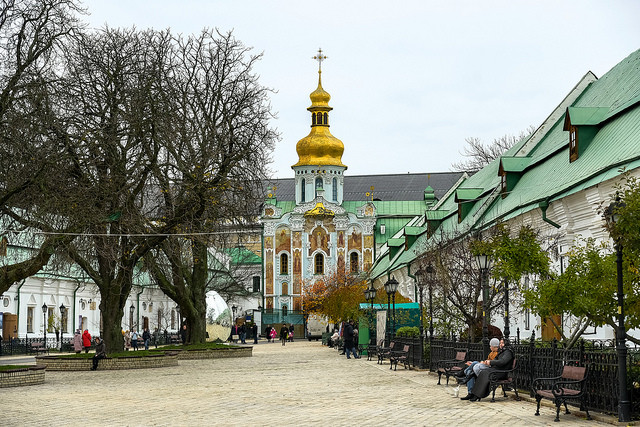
x: 473, y: 369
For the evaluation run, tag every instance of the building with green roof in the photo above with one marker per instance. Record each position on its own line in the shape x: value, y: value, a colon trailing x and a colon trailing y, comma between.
x: 554, y: 180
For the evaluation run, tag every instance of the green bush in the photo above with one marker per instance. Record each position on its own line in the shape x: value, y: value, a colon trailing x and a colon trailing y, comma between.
x: 408, y: 332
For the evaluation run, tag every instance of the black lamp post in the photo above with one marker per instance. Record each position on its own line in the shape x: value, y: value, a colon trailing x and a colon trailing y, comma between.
x: 624, y: 404
x: 420, y: 279
x: 44, y: 316
x: 391, y: 287
x: 370, y: 295
x: 61, y: 324
x: 484, y: 263
x: 506, y: 311
x: 132, y: 309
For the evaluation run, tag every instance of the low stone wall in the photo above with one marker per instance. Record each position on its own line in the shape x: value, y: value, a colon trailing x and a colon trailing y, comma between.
x: 22, y: 376
x: 54, y: 363
x: 218, y: 353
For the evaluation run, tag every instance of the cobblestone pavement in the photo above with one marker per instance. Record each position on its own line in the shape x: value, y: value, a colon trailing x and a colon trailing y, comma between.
x: 300, y: 384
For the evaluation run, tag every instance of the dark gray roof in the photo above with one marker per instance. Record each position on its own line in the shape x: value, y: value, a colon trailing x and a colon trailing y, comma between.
x: 408, y: 186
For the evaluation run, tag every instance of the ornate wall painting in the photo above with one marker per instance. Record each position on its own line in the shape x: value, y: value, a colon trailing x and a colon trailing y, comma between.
x: 283, y: 240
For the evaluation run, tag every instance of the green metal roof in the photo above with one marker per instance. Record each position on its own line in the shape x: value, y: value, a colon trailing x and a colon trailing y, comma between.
x: 587, y: 115
x: 395, y: 242
x: 414, y: 231
x: 468, y: 193
x: 514, y: 164
x: 243, y: 256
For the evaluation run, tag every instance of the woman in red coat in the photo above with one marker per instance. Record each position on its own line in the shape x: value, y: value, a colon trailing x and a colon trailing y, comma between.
x: 86, y: 340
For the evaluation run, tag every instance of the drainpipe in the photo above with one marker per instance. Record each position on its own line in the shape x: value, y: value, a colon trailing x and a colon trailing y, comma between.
x: 544, y: 205
x: 415, y: 283
x: 18, y: 309
x: 74, y: 306
x: 264, y: 285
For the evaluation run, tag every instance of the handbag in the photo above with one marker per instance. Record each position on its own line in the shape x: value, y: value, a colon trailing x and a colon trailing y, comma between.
x: 235, y: 337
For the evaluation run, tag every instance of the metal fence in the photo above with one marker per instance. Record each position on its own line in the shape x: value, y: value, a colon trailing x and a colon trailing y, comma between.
x: 538, y: 359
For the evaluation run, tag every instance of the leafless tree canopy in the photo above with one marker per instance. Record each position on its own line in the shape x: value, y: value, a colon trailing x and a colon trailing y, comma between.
x: 478, y: 155
x: 114, y: 140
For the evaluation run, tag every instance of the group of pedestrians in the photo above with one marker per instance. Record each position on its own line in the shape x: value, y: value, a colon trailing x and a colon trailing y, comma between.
x: 285, y: 334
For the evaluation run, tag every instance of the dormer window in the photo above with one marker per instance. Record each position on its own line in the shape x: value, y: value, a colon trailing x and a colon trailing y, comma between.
x: 573, y: 143
x: 503, y: 184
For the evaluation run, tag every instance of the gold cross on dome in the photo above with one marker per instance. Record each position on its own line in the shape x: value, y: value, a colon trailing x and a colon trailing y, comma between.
x: 320, y: 57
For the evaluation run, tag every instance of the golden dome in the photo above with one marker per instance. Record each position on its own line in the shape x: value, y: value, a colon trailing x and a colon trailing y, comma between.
x: 320, y: 148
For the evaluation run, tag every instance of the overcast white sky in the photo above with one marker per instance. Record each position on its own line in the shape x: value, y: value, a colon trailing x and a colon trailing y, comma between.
x: 409, y: 80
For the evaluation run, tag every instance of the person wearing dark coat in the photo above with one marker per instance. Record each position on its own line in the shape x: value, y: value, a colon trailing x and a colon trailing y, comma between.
x: 254, y: 331
x: 101, y: 352
x: 503, y: 361
x: 349, y: 346
x: 284, y: 334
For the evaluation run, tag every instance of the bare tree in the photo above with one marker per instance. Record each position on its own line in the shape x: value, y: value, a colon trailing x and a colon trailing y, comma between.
x: 221, y: 147
x: 113, y: 98
x: 478, y: 155
x: 31, y: 35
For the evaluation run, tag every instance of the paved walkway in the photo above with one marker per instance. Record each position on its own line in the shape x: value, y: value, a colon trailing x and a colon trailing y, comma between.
x: 300, y: 384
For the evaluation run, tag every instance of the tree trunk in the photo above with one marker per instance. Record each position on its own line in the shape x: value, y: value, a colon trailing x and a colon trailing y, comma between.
x: 112, y: 315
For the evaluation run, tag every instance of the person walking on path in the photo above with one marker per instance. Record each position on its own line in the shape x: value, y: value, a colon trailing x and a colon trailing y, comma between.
x: 127, y: 340
x: 273, y: 334
x: 134, y: 340
x: 101, y: 352
x: 243, y: 334
x: 348, y: 341
x: 146, y: 336
x: 284, y: 334
x: 86, y: 340
x: 77, y: 341
x: 254, y: 331
x: 291, y: 332
x: 267, y: 333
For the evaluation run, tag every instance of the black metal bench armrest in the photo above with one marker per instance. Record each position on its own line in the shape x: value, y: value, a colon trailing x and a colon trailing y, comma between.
x: 539, y: 383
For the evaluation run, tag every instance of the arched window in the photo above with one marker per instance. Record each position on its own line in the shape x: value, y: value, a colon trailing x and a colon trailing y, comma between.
x: 285, y: 310
x: 302, y: 191
x: 353, y: 262
x: 334, y: 189
x: 319, y: 264
x: 326, y: 119
x: 318, y: 185
x: 285, y: 288
x: 284, y: 264
x: 313, y: 118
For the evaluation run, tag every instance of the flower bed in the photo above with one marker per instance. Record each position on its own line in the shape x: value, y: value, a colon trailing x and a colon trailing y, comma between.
x: 22, y: 376
x: 55, y: 363
x: 218, y: 353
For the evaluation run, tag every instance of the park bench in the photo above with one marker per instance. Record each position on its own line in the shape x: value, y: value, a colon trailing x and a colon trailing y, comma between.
x: 175, y: 339
x: 372, y: 349
x: 503, y: 378
x: 450, y: 367
x: 38, y: 347
x: 569, y: 385
x: 400, y: 356
x: 385, y: 352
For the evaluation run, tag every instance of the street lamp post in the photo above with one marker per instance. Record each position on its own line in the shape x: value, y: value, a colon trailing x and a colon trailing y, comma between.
x: 420, y: 273
x: 370, y: 295
x: 624, y: 404
x: 61, y: 324
x: 44, y: 316
x: 391, y: 286
x: 506, y: 311
x: 132, y: 309
x: 484, y: 263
